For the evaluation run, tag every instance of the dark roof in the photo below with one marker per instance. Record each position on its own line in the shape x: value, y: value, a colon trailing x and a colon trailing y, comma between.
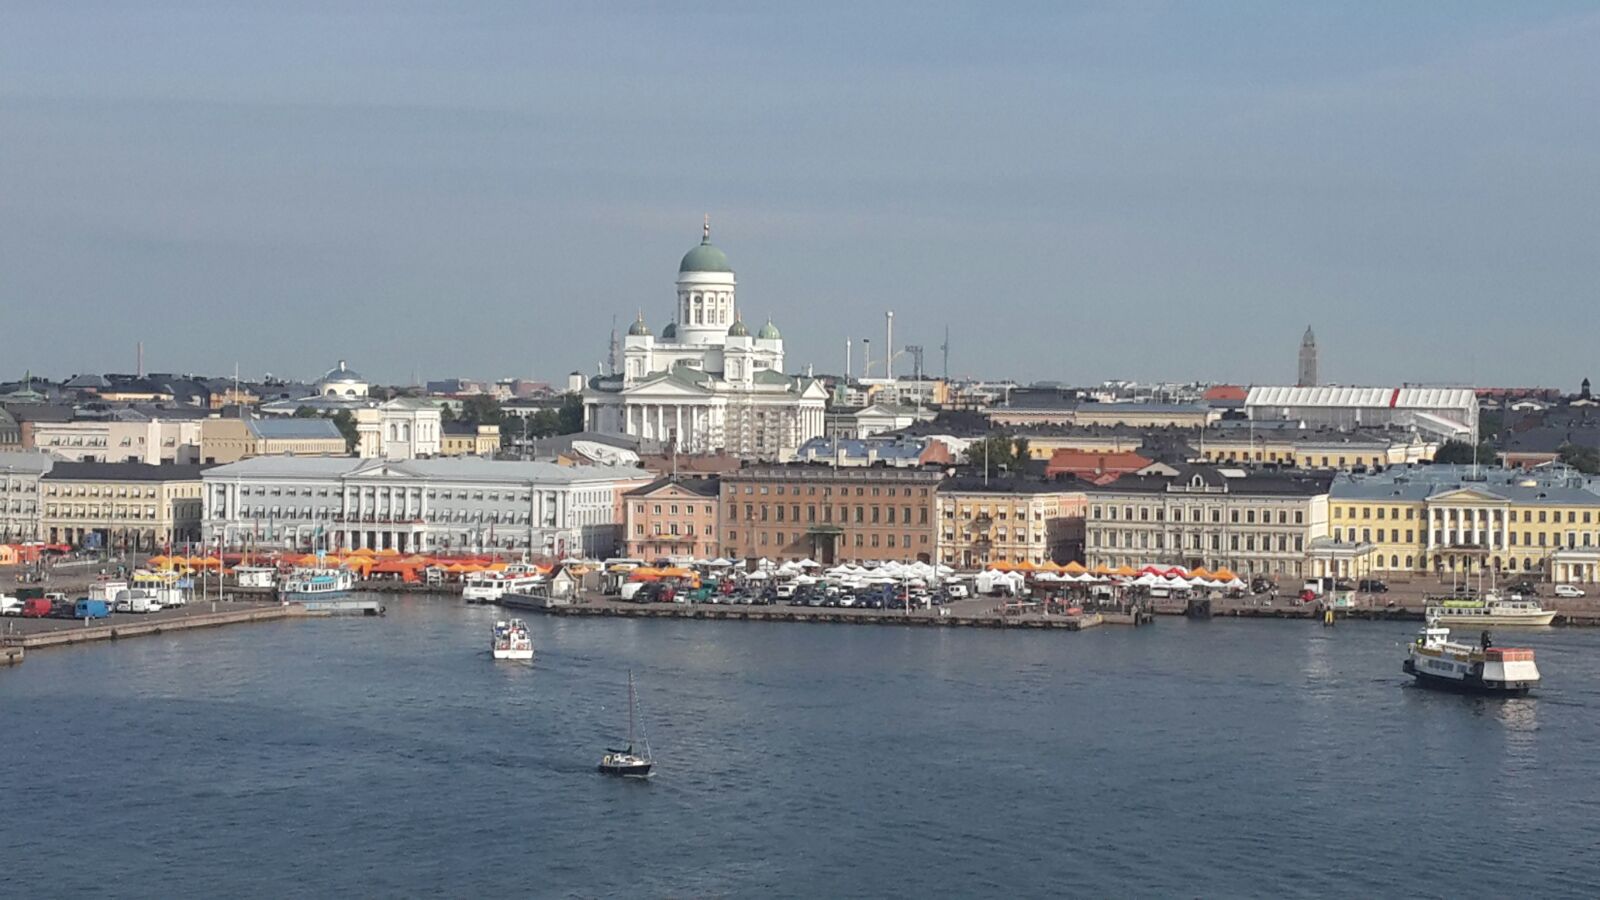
x: 467, y: 429
x: 705, y: 487
x: 40, y: 412
x: 1252, y: 482
x: 966, y: 483
x: 123, y: 471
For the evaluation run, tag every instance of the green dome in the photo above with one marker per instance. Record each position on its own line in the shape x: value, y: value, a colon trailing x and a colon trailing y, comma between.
x: 639, y: 328
x: 670, y: 332
x: 705, y: 258
x: 769, y: 332
x: 738, y: 329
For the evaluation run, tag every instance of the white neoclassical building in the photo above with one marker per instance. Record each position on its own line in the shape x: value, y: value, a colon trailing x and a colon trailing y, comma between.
x: 706, y: 383
x: 462, y: 504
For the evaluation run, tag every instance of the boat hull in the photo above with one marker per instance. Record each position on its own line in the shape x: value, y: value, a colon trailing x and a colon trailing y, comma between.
x: 628, y: 770
x: 1502, y: 620
x: 1468, y: 684
x: 513, y: 653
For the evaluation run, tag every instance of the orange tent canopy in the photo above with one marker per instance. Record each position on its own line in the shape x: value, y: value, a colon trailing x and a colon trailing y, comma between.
x: 364, y: 551
x: 1074, y: 568
x: 388, y: 551
x: 1001, y: 565
x: 1223, y: 574
x: 1125, y: 571
x: 1200, y: 572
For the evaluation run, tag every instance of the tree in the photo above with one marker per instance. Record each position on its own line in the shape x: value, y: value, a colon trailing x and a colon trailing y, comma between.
x: 346, y: 423
x: 1460, y: 453
x: 997, y: 451
x: 1584, y: 459
x: 481, y: 409
x: 570, y: 417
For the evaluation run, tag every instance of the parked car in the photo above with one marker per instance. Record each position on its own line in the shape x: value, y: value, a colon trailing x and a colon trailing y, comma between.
x: 1525, y: 588
x: 91, y: 609
x: 37, y: 608
x: 10, y: 606
x: 1373, y: 586
x: 1568, y: 590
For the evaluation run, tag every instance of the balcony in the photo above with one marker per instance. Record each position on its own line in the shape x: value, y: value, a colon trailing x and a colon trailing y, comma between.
x: 375, y: 519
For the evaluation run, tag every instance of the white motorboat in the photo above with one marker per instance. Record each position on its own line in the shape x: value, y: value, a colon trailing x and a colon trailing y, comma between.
x: 1440, y: 663
x: 511, y: 640
x: 1490, y: 612
x: 303, y: 584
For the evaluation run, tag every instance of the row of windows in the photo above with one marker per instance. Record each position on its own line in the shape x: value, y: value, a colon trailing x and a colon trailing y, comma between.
x: 1001, y: 534
x: 433, y: 515
x: 1145, y: 540
x: 1245, y: 567
x: 811, y: 491
x: 780, y: 539
x: 100, y: 512
x: 1528, y: 515
x: 638, y: 508
x: 1159, y: 514
x: 878, y: 514
x: 1446, y: 536
x: 673, y: 529
x: 85, y: 491
x: 382, y: 493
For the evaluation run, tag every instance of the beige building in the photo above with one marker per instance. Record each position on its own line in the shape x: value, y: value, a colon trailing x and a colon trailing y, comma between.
x: 20, y: 474
x: 230, y: 440
x: 672, y: 518
x: 143, y: 440
x: 120, y: 506
x: 1008, y: 520
x: 461, y: 439
x: 1321, y: 449
x: 1255, y: 523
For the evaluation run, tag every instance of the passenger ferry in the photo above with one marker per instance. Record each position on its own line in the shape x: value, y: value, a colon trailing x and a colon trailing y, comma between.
x: 489, y: 587
x: 1438, y: 662
x: 1490, y: 612
x: 510, y: 640
x: 302, y: 584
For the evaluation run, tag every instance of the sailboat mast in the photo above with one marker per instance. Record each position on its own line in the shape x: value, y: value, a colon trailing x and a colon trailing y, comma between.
x: 630, y: 710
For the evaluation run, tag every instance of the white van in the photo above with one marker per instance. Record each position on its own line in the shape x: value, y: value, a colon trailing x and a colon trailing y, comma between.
x: 10, y: 606
x: 137, y: 600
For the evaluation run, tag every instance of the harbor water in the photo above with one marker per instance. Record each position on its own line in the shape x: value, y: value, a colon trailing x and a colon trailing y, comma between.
x: 393, y: 757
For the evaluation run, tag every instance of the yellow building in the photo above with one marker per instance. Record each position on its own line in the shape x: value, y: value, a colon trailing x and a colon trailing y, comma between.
x: 230, y: 440
x: 461, y: 439
x: 1008, y: 520
x: 1440, y: 520
x: 1315, y: 450
x: 120, y: 506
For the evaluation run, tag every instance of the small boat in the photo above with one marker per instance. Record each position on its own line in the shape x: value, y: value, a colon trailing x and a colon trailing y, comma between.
x: 1491, y: 612
x: 626, y: 762
x: 510, y: 640
x: 1437, y: 662
x: 302, y: 584
x: 492, y: 587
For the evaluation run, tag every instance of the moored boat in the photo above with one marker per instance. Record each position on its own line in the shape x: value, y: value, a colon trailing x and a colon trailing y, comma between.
x: 1437, y: 662
x: 302, y: 584
x: 1490, y: 612
x: 511, y: 640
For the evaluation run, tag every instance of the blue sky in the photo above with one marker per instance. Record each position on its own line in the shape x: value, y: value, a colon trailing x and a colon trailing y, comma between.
x: 1079, y: 191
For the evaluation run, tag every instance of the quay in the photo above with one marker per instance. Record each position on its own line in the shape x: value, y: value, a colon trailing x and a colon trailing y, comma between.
x: 989, y: 618
x: 38, y: 633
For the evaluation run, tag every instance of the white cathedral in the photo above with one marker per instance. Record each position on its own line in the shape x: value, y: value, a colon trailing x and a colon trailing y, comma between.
x: 706, y: 384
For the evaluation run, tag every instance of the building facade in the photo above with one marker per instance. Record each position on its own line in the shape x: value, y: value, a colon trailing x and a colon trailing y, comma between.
x: 1449, y: 521
x: 1253, y: 523
x: 707, y: 383
x: 20, y: 473
x: 230, y: 440
x: 462, y: 439
x: 830, y: 515
x: 466, y: 504
x: 674, y: 519
x: 1009, y: 520
x: 120, y: 506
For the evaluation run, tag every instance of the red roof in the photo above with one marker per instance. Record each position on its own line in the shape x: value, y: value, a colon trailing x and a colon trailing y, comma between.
x: 1088, y: 463
x: 1225, y: 392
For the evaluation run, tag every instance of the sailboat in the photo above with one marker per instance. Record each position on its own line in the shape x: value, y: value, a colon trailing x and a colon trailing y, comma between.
x: 626, y: 762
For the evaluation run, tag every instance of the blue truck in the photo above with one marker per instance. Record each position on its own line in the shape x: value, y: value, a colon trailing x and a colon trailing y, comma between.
x: 91, y: 609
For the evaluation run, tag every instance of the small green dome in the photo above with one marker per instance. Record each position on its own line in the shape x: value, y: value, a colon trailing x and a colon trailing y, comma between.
x: 670, y: 332
x: 738, y: 329
x: 769, y: 332
x: 639, y: 328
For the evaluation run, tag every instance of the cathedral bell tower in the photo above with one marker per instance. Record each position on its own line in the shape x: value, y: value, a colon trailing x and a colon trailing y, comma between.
x: 706, y: 308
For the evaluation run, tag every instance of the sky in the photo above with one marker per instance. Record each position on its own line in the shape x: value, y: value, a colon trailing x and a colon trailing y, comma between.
x: 1078, y: 191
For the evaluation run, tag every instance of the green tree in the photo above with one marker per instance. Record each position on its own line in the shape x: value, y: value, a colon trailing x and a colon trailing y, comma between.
x: 481, y: 409
x: 997, y: 451
x: 570, y: 417
x: 1584, y: 459
x: 346, y: 423
x: 1460, y: 453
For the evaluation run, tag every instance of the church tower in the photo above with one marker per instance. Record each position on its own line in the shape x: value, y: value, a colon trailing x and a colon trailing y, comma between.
x: 1308, y: 360
x: 705, y: 293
